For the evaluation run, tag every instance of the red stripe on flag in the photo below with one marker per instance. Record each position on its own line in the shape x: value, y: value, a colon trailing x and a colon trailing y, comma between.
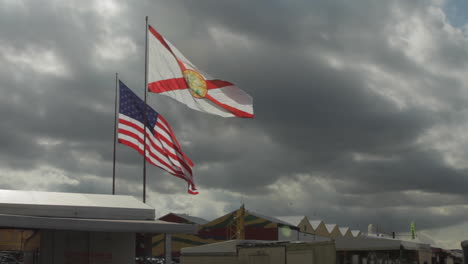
x: 167, y: 85
x: 139, y: 150
x: 214, y: 84
x: 163, y: 120
x: 131, y: 124
x: 159, y: 149
x: 156, y: 147
x: 191, y: 189
x: 235, y: 111
x: 162, y: 123
x: 138, y: 137
x: 160, y: 38
x: 180, y: 84
x: 164, y: 43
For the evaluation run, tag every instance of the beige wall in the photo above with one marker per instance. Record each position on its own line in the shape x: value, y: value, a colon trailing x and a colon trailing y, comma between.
x: 262, y: 255
x: 208, y: 259
x: 305, y: 226
x: 449, y: 260
x: 302, y: 253
x: 319, y: 253
x: 335, y: 233
x: 425, y: 256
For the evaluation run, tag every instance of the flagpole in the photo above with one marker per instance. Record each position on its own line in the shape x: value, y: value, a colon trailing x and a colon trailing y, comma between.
x: 115, y: 132
x: 145, y: 118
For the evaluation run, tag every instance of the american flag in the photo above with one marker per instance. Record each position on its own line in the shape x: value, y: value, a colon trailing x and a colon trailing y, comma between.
x: 162, y: 148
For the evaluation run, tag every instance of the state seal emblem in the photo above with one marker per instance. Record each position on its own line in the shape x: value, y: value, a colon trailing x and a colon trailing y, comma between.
x: 196, y: 83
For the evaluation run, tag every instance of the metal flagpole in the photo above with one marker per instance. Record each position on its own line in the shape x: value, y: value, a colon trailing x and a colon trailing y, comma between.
x: 115, y: 132
x: 145, y: 118
x: 146, y: 237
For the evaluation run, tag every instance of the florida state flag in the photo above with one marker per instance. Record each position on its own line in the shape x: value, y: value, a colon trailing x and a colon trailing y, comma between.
x: 171, y: 74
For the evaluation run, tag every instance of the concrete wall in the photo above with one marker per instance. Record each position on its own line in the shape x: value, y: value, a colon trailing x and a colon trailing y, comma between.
x: 75, y: 247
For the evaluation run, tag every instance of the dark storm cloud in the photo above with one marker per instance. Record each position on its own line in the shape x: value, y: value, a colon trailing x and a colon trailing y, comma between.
x: 314, y: 121
x: 317, y: 116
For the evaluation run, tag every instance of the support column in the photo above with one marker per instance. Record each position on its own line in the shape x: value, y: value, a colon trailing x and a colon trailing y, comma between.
x: 168, y: 248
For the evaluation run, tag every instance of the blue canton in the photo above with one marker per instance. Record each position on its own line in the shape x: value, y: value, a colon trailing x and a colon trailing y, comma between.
x: 132, y: 106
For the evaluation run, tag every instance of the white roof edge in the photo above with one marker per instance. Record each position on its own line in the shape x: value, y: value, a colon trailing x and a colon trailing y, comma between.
x: 74, y: 205
x: 95, y: 225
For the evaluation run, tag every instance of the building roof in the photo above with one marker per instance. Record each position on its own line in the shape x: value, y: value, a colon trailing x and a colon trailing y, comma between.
x: 73, y: 205
x: 225, y: 247
x: 330, y: 227
x: 420, y: 237
x: 375, y: 243
x: 294, y: 220
x: 343, y: 230
x: 271, y: 219
x: 230, y: 247
x: 355, y: 233
x: 81, y: 212
x: 96, y: 225
x: 193, y: 219
x: 315, y: 223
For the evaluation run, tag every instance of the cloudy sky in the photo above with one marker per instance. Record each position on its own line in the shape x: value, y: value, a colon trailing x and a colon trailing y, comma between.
x: 361, y: 106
